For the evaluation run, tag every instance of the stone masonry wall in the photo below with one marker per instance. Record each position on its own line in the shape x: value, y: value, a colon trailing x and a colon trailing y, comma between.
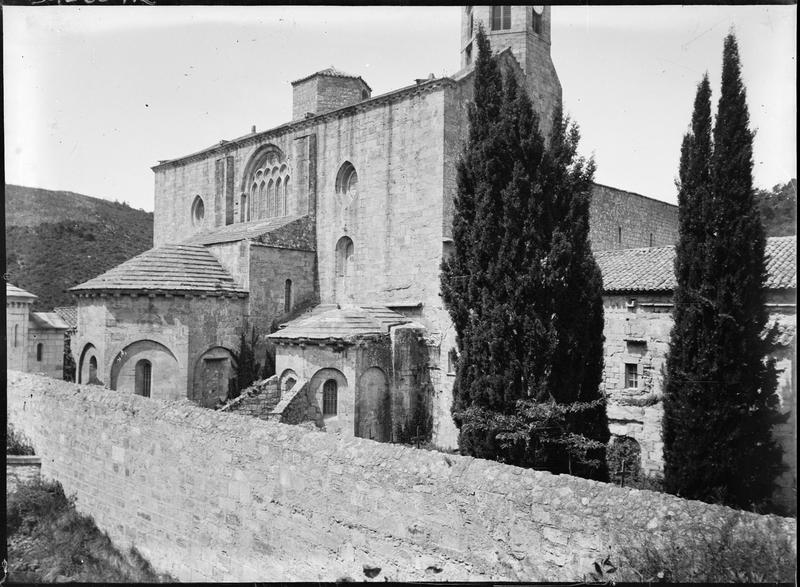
x: 52, y: 361
x: 208, y: 496
x: 624, y: 220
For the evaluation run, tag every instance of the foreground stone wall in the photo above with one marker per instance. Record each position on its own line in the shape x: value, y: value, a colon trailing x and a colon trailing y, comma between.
x: 212, y: 496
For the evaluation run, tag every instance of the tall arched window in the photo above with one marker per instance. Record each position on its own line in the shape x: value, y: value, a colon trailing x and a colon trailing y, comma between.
x: 16, y: 335
x: 270, y: 198
x: 198, y: 211
x: 344, y: 268
x: 329, y: 398
x: 255, y: 200
x: 536, y: 21
x: 287, y: 295
x: 278, y: 196
x: 143, y: 378
x: 285, y: 206
x: 39, y: 348
x: 347, y: 181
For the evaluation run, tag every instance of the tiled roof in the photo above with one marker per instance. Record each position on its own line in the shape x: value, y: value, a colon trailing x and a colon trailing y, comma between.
x: 652, y: 269
x: 68, y: 314
x: 241, y: 231
x: 184, y: 268
x: 18, y: 292
x: 334, y: 323
x: 48, y: 320
x: 331, y: 72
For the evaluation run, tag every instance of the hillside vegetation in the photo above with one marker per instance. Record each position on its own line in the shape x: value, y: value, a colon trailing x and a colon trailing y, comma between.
x: 56, y: 240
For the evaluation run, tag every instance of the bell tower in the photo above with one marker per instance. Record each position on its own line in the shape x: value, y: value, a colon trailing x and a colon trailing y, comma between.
x: 526, y: 31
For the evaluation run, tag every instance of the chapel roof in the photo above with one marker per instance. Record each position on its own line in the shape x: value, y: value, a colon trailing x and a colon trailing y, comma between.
x: 334, y: 323
x: 48, y: 320
x: 186, y: 268
x: 12, y: 291
x: 241, y: 231
x: 68, y: 314
x: 652, y: 269
x: 331, y: 72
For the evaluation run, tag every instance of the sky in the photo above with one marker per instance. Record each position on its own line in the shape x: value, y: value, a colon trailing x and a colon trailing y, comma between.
x: 96, y: 95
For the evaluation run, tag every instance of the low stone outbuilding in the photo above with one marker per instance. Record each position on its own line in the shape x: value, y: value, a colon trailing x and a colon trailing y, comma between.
x: 366, y: 372
x: 638, y: 287
x: 34, y: 340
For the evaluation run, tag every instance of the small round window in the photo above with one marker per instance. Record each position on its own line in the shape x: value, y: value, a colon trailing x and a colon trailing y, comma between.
x: 198, y: 211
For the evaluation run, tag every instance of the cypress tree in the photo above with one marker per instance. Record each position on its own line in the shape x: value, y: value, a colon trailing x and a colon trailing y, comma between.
x: 720, y: 401
x: 523, y: 288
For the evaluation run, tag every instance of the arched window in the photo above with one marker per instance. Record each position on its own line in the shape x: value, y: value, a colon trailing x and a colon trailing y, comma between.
x: 278, y: 195
x: 651, y: 239
x: 270, y: 198
x: 244, y: 212
x: 16, y: 335
x: 536, y: 21
x: 347, y: 180
x: 143, y: 378
x: 285, y: 207
x: 329, y: 398
x: 255, y: 200
x: 39, y: 348
x: 344, y: 268
x: 287, y: 296
x: 619, y: 235
x: 92, y: 369
x: 262, y: 200
x: 198, y: 211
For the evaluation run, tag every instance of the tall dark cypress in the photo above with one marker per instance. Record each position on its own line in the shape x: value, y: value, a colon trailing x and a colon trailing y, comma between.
x: 720, y: 402
x: 523, y: 288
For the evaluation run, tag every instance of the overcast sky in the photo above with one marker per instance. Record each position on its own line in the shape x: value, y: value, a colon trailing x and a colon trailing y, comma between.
x: 94, y: 96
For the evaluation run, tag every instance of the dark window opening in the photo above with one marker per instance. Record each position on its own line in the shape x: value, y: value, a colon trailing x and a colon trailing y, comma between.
x: 287, y: 296
x: 329, y: 398
x: 471, y: 25
x: 39, y: 351
x: 651, y: 239
x: 619, y: 235
x: 501, y: 18
x: 16, y: 335
x: 144, y: 372
x: 536, y: 22
x: 364, y: 94
x: 468, y: 52
x: 631, y: 375
x: 92, y: 369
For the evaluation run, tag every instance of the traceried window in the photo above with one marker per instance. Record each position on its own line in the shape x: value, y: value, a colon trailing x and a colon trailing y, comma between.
x: 329, y: 398
x: 267, y: 177
x: 501, y: 18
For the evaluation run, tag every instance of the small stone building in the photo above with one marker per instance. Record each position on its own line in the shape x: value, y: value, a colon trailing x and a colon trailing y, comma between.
x: 638, y: 286
x: 34, y: 340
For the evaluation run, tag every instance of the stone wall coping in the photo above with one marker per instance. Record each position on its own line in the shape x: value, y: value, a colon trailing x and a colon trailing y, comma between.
x: 21, y: 460
x: 247, y: 393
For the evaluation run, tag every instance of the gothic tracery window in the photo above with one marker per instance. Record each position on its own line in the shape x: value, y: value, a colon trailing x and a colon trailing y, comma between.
x: 268, y: 175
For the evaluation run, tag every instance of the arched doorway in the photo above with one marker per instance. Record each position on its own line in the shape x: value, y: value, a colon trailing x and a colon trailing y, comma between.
x: 373, y: 406
x: 343, y: 286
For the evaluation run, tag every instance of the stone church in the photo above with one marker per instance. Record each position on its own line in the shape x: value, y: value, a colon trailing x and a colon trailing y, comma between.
x: 326, y: 234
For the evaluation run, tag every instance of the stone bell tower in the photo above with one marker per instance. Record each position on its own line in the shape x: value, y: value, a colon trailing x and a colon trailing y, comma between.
x: 526, y: 30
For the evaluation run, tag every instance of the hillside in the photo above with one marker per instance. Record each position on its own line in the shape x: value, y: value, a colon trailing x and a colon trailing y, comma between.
x: 55, y: 240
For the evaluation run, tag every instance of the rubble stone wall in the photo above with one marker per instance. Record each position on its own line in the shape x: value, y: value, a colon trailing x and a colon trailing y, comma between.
x: 209, y: 496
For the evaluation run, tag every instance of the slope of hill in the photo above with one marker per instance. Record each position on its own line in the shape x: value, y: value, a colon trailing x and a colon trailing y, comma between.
x: 55, y: 240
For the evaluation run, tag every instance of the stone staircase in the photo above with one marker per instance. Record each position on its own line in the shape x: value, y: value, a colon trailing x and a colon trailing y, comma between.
x: 258, y: 400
